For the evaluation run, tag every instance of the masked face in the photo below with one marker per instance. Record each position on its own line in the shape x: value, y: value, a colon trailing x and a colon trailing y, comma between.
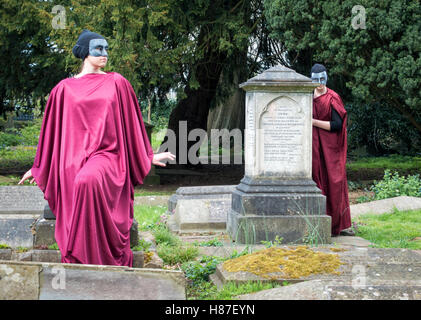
x: 98, y: 48
x: 320, y: 77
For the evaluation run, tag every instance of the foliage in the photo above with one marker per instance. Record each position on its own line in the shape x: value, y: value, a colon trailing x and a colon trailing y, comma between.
x: 176, y: 253
x: 277, y: 242
x: 148, y: 216
x: 164, y: 236
x: 208, y: 291
x: 393, y: 185
x: 54, y: 246
x: 143, y: 245
x: 380, y: 129
x: 4, y: 246
x: 380, y: 63
x: 198, y: 271
x: 28, y: 135
x: 400, y: 229
x: 19, y: 157
x: 210, y: 243
x: 392, y: 162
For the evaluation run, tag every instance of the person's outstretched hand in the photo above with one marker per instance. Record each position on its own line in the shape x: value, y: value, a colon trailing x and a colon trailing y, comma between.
x: 158, y: 157
x: 26, y: 176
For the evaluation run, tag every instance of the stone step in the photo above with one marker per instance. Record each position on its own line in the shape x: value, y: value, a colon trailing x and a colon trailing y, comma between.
x: 56, y: 281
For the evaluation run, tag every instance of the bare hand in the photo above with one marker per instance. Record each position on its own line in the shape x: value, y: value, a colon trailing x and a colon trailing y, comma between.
x: 26, y: 176
x: 158, y: 157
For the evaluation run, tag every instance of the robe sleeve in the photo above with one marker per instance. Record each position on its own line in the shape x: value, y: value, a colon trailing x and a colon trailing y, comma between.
x: 45, y: 169
x: 338, y: 105
x: 139, y: 149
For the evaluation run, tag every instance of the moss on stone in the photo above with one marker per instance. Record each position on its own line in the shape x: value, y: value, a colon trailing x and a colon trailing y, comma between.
x: 275, y: 263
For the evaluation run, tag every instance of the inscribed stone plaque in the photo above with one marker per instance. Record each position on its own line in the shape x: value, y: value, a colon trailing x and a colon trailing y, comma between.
x: 282, y: 140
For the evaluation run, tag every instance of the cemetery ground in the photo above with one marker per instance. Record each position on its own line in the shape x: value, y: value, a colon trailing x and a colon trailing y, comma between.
x: 198, y: 255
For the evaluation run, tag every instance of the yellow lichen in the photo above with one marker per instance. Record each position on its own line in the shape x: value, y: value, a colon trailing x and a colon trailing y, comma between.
x: 147, y: 256
x: 290, y: 263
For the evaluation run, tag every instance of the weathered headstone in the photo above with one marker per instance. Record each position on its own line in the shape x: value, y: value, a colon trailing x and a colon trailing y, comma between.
x: 277, y: 196
x: 20, y: 206
x: 200, y: 209
x: 55, y: 281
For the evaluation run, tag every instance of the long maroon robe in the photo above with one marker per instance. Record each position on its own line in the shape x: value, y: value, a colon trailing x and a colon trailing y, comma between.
x: 329, y: 160
x: 92, y: 150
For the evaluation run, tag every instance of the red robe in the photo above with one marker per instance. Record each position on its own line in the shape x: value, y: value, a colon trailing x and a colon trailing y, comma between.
x: 93, y: 149
x: 329, y: 160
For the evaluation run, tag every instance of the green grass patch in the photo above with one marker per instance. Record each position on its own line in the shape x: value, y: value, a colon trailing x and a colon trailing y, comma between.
x: 4, y: 246
x: 400, y: 229
x: 208, y: 291
x: 157, y: 137
x: 392, y: 162
x: 215, y: 242
x: 148, y: 216
x: 54, y: 246
x: 176, y: 254
x: 144, y: 193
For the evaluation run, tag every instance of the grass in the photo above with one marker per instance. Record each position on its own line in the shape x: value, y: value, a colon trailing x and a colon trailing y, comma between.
x: 392, y: 162
x: 400, y: 229
x: 148, y: 216
x: 157, y: 137
x: 143, y: 193
x: 169, y: 247
x: 208, y: 291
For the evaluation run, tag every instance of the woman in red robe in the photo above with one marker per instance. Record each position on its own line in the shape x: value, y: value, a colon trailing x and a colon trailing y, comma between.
x: 330, y: 152
x: 93, y: 149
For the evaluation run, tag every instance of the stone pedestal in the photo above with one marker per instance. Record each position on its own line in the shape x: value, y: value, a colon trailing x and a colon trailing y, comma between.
x: 277, y: 196
x: 44, y: 229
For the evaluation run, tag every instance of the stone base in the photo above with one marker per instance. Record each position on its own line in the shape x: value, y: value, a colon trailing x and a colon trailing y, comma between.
x: 278, y: 197
x: 44, y: 232
x: 204, y: 216
x: 253, y: 229
x: 294, y: 210
x: 200, y: 209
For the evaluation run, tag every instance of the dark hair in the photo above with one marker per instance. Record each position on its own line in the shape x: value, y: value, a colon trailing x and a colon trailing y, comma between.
x: 318, y: 68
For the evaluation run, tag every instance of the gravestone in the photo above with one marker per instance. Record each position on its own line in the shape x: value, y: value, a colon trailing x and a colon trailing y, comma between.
x: 277, y: 196
x: 199, y: 209
x: 44, y: 229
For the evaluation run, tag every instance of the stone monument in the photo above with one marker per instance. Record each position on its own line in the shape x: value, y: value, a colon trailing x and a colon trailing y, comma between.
x: 277, y: 196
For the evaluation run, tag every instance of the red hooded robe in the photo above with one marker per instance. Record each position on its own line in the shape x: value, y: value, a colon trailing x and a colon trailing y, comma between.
x: 92, y: 150
x: 329, y: 160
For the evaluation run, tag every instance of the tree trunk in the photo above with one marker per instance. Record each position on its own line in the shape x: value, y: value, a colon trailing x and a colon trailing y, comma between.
x: 194, y: 109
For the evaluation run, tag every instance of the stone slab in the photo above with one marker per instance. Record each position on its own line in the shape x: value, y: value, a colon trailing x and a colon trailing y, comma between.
x: 151, y: 200
x: 361, y: 267
x: 351, y: 241
x: 15, y: 229
x: 21, y: 200
x: 19, y: 281
x: 334, y: 290
x: 199, y: 215
x: 402, y: 203
x: 217, y: 192
x: 55, y: 281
